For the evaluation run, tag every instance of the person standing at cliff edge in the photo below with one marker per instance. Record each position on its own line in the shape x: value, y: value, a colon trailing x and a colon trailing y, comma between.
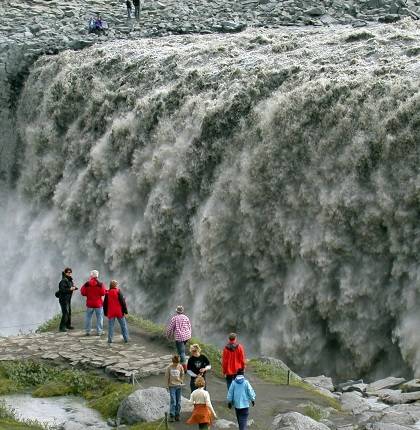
x: 115, y: 307
x: 180, y: 328
x: 136, y: 4
x: 94, y: 290
x: 65, y: 292
x: 233, y: 359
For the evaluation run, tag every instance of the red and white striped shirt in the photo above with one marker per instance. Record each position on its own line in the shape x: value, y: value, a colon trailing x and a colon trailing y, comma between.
x: 179, y: 327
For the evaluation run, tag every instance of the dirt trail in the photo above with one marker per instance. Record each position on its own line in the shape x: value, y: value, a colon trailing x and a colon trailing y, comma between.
x: 271, y: 398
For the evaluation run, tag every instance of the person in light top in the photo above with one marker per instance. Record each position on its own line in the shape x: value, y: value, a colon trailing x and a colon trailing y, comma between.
x: 240, y: 395
x: 203, y: 412
x: 198, y: 364
x: 174, y: 377
x: 180, y: 328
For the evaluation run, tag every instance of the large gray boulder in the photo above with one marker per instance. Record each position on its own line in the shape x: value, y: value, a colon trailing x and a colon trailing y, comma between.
x: 149, y: 404
x: 321, y: 381
x: 389, y: 382
x: 354, y: 403
x: 296, y: 421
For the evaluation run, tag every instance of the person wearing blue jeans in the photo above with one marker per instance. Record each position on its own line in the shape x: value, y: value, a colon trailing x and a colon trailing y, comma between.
x: 115, y: 307
x: 240, y: 395
x: 99, y: 312
x: 180, y: 347
x: 123, y: 325
x: 174, y: 377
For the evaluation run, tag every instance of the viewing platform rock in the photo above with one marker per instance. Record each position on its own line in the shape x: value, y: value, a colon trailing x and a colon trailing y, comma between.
x: 78, y: 350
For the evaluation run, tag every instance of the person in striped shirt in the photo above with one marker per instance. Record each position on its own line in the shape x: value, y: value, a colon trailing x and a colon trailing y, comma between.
x: 179, y: 328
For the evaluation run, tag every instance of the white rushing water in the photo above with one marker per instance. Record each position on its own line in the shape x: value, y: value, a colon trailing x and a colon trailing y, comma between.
x: 70, y: 412
x: 268, y: 181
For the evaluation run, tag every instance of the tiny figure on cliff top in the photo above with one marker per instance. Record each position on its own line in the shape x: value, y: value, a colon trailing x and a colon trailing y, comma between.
x: 129, y: 8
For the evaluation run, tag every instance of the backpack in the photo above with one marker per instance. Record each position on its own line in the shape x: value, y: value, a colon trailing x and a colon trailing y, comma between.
x: 57, y: 294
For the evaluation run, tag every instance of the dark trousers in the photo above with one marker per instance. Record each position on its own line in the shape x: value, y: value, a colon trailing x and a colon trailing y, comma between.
x: 137, y: 11
x: 203, y: 426
x: 66, y: 314
x: 242, y: 417
x: 229, y: 379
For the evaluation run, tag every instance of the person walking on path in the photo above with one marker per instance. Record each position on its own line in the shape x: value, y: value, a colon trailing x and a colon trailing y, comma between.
x: 233, y: 359
x: 180, y: 328
x: 174, y: 377
x: 129, y: 8
x: 65, y: 292
x: 198, y: 364
x: 94, y: 290
x: 203, y: 412
x: 240, y: 395
x: 136, y: 4
x: 115, y: 307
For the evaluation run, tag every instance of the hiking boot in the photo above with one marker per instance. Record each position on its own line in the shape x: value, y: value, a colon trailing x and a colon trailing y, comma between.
x: 87, y: 334
x: 70, y: 328
x: 171, y: 418
x: 176, y: 417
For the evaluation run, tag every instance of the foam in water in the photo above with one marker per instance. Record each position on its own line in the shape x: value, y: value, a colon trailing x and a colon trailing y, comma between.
x: 268, y: 181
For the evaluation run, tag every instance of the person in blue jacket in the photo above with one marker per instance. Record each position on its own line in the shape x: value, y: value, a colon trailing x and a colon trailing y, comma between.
x: 240, y: 395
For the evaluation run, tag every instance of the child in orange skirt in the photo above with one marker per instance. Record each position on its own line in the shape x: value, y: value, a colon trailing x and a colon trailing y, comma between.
x: 203, y: 412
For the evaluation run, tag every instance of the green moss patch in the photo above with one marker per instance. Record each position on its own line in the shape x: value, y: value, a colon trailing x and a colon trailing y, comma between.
x: 43, y: 380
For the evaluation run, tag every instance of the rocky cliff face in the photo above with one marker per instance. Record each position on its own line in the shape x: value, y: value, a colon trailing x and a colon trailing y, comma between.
x: 268, y: 180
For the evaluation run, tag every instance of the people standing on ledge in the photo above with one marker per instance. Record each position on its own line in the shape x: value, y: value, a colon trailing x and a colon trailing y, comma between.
x: 65, y: 292
x: 240, y: 395
x: 115, y: 307
x: 174, y: 376
x: 129, y: 8
x: 203, y: 412
x: 233, y: 359
x: 180, y: 328
x: 198, y: 364
x: 136, y: 4
x: 94, y: 290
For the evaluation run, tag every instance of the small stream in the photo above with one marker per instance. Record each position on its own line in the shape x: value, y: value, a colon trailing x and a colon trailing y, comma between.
x: 69, y: 412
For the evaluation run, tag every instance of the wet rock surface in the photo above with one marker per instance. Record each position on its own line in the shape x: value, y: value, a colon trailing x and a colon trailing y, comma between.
x: 122, y: 360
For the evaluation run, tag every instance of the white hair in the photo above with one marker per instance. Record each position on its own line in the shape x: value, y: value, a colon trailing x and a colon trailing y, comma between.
x: 94, y: 273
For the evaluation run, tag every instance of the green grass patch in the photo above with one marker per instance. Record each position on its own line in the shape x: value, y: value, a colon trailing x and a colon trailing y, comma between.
x: 315, y: 412
x: 151, y: 328
x: 44, y: 380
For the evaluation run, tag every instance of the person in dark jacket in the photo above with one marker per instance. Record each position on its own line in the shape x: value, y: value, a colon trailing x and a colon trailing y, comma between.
x: 66, y: 288
x: 129, y: 8
x: 115, y: 307
x: 136, y: 4
x: 94, y: 290
x: 198, y: 364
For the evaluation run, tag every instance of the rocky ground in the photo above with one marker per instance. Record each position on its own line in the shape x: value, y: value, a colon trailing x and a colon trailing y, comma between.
x: 381, y: 405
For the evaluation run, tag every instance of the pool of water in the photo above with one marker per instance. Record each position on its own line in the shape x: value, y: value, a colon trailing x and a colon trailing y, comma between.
x: 69, y: 412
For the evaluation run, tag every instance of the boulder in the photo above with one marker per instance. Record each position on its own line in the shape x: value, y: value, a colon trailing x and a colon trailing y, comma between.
x: 410, y: 386
x: 320, y: 381
x: 386, y: 426
x: 354, y: 403
x: 389, y: 382
x: 296, y: 421
x: 225, y: 424
x: 148, y: 404
x: 315, y: 11
x: 396, y: 397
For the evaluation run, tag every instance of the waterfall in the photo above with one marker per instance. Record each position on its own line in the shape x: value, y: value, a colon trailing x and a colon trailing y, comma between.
x: 268, y: 181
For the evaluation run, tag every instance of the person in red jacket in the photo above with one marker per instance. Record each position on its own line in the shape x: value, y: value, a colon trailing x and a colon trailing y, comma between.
x: 94, y: 290
x: 233, y: 359
x: 115, y: 307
